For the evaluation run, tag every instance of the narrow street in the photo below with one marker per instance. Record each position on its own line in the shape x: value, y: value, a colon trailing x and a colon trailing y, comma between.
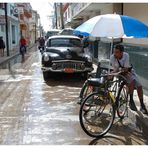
x: 33, y: 111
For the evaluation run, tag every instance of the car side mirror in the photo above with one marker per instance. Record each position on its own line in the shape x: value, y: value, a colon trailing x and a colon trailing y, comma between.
x: 85, y: 44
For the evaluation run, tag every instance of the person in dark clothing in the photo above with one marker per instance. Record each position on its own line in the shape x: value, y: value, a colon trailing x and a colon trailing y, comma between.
x: 2, y: 46
x: 23, y: 50
x: 23, y: 44
x: 41, y: 43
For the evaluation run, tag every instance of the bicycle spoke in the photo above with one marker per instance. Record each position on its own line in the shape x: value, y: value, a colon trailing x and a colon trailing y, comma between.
x: 98, y: 117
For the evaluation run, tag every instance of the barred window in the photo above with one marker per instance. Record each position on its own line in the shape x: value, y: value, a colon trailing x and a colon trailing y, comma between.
x: 1, y: 5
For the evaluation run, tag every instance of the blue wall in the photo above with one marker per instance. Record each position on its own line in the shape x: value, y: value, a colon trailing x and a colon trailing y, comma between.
x: 138, y: 58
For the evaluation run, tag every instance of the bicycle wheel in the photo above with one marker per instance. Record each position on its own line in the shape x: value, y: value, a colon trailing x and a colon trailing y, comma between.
x: 85, y: 91
x: 97, y: 114
x: 122, y: 100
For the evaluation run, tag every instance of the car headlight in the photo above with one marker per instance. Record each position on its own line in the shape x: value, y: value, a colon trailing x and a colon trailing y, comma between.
x: 89, y: 59
x: 46, y: 57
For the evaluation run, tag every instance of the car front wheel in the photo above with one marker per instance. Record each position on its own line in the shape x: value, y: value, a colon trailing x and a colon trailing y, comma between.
x: 46, y: 75
x: 85, y: 75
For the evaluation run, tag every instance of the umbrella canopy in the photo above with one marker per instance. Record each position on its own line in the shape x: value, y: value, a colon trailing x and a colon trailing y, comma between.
x: 114, y: 26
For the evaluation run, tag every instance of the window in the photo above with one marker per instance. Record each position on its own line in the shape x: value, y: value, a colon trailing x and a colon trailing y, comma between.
x: 68, y: 12
x: 2, y: 28
x: 1, y: 5
x: 64, y: 42
x: 13, y: 34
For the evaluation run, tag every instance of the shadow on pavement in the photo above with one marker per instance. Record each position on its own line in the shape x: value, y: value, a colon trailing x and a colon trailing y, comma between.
x: 124, y: 133
x: 105, y: 139
x: 72, y: 80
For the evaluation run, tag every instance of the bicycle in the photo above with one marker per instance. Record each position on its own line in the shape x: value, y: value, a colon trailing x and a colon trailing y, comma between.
x: 97, y: 112
x: 88, y: 89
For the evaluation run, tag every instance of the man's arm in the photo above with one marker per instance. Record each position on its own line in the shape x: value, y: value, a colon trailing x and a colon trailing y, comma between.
x: 127, y: 63
x: 112, y: 63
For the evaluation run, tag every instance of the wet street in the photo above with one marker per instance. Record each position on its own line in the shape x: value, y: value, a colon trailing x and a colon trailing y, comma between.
x: 33, y: 111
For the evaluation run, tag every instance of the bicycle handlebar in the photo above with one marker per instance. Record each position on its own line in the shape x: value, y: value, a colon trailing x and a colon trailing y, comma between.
x: 116, y: 74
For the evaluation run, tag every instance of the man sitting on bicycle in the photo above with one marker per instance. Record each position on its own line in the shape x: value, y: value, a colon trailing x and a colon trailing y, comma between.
x: 120, y: 60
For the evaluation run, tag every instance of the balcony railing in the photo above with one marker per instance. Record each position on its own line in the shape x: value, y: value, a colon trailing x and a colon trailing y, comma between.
x: 77, y: 7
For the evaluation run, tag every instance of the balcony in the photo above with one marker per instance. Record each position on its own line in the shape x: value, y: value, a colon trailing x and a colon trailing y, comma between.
x: 27, y: 13
x: 27, y: 10
x: 80, y: 12
x: 77, y: 8
x: 23, y: 26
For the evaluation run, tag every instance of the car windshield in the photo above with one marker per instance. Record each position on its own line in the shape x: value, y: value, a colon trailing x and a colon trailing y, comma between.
x: 64, y: 42
x: 67, y: 32
x: 51, y: 33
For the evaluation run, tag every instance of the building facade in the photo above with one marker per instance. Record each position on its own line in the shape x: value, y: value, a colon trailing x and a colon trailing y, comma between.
x: 22, y: 21
x: 34, y: 27
x: 77, y: 13
x: 13, y: 25
x: 25, y: 14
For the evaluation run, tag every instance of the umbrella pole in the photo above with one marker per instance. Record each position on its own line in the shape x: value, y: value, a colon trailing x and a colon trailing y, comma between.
x: 112, y: 43
x: 111, y: 51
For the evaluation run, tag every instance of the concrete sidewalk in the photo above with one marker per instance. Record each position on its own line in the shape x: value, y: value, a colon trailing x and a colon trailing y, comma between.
x: 136, y: 117
x: 13, y: 54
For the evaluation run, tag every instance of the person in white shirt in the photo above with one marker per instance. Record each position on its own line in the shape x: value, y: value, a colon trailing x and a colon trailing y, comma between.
x: 120, y: 60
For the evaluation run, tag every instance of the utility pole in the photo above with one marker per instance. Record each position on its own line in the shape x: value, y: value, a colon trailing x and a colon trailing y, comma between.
x: 61, y: 15
x: 6, y: 26
x: 35, y: 33
x: 122, y: 11
x: 55, y: 8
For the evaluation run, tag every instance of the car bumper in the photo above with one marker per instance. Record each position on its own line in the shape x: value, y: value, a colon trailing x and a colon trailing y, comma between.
x: 87, y: 69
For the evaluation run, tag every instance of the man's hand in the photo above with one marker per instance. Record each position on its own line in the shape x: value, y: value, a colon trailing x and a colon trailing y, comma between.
x: 109, y: 77
x: 125, y: 70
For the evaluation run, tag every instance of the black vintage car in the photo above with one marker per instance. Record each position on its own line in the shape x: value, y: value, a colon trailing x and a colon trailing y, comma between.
x: 65, y: 54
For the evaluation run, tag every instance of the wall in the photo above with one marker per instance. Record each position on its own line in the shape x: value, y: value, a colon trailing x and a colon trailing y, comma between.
x: 12, y: 23
x: 107, y: 9
x: 139, y: 11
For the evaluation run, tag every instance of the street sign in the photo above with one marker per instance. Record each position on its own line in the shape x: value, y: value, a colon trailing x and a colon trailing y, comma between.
x: 15, y: 11
x: 2, y: 20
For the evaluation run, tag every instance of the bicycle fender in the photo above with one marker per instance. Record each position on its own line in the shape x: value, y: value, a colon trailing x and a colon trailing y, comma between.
x: 112, y: 96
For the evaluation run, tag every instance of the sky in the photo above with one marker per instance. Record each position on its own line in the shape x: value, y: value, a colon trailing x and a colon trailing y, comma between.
x: 44, y: 9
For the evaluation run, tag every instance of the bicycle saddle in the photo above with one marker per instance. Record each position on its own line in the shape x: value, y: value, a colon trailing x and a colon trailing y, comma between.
x: 95, y: 81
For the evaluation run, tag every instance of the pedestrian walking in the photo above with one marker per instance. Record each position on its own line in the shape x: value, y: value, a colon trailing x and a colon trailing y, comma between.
x: 23, y: 47
x: 2, y: 46
x: 41, y: 43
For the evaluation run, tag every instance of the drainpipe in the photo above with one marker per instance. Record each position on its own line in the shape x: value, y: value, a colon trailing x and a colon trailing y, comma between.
x: 122, y: 8
x: 6, y: 25
x: 61, y: 15
x: 55, y: 7
x: 35, y: 33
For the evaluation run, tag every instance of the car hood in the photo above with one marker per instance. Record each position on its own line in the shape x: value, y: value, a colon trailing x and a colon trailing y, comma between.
x: 65, y: 52
x: 63, y: 49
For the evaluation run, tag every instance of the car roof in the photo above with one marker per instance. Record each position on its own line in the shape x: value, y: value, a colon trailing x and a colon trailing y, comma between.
x: 67, y: 29
x: 64, y: 36
x: 54, y: 30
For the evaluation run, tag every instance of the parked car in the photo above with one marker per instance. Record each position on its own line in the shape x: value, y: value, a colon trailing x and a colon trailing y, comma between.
x: 52, y: 32
x: 67, y: 31
x: 65, y: 54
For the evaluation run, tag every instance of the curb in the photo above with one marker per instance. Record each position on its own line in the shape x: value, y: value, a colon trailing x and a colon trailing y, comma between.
x: 13, y: 56
x: 9, y: 58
